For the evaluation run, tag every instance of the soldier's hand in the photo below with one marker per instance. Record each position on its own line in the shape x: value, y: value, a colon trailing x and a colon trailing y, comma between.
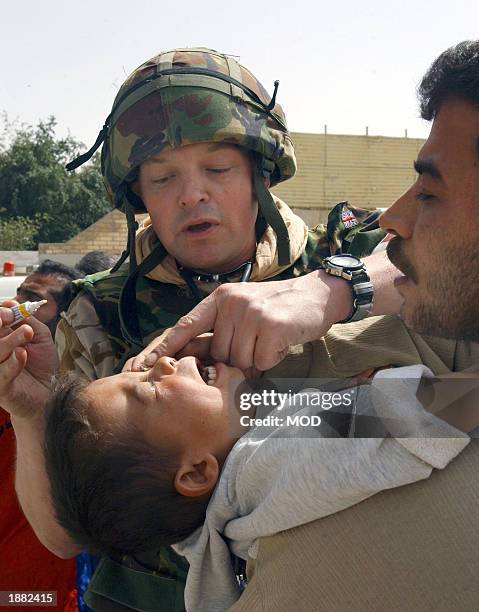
x: 254, y: 324
x: 198, y: 347
x: 28, y: 360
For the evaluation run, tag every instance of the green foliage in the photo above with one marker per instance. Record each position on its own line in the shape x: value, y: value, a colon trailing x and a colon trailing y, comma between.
x: 19, y: 233
x: 34, y: 184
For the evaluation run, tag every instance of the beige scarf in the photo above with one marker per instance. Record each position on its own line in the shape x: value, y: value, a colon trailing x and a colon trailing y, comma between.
x: 265, y: 266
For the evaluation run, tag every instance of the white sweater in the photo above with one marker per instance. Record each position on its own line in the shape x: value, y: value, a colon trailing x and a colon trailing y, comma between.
x: 282, y: 476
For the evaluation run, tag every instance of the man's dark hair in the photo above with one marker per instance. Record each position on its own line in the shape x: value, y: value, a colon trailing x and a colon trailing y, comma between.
x: 95, y: 261
x: 65, y: 274
x: 55, y: 268
x: 112, y: 491
x: 454, y: 74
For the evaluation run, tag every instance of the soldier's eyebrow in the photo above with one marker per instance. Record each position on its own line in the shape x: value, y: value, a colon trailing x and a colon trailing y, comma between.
x: 155, y: 160
x: 429, y: 168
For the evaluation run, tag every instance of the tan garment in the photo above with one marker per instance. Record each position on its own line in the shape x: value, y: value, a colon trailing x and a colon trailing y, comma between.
x: 266, y: 258
x: 415, y: 548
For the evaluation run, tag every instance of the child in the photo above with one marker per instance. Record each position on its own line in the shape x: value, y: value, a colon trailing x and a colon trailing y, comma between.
x: 135, y: 460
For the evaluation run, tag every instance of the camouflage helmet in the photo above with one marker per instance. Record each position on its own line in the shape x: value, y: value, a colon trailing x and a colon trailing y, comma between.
x: 187, y: 96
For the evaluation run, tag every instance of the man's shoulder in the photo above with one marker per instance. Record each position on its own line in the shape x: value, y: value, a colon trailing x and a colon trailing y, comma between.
x: 103, y: 285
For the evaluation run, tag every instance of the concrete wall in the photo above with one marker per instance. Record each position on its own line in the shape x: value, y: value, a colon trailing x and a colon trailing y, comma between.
x: 368, y: 171
x: 21, y: 259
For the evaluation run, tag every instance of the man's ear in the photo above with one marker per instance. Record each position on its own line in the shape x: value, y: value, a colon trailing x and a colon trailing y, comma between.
x: 193, y: 480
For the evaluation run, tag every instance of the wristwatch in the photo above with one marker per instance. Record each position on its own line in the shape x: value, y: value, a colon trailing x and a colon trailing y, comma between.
x: 354, y: 272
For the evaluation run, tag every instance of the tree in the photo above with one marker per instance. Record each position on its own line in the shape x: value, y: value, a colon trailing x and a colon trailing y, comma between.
x: 18, y: 233
x: 33, y: 181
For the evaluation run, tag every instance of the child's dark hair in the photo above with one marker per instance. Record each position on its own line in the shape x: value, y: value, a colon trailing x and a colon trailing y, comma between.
x: 112, y: 491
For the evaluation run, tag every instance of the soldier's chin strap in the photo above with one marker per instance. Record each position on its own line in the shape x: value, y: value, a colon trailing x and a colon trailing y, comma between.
x: 264, y: 169
x: 128, y: 315
x: 129, y: 324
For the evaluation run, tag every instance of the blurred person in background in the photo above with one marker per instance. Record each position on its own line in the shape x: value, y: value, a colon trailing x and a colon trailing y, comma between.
x: 95, y: 261
x: 25, y: 564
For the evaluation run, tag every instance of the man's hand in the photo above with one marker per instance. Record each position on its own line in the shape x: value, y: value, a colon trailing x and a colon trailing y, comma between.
x: 198, y: 347
x: 254, y: 324
x: 28, y: 360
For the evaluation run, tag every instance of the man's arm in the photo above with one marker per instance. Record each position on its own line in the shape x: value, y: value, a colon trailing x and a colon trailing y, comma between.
x: 255, y: 323
x: 27, y: 363
x: 33, y: 487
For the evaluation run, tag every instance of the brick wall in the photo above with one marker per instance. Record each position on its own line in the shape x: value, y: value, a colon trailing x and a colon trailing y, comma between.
x: 369, y: 171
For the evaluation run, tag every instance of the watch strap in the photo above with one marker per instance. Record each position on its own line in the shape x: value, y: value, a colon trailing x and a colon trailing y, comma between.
x: 363, y: 295
x: 361, y: 288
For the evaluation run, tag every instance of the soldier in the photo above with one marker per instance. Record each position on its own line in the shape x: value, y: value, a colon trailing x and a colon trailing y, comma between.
x: 194, y: 139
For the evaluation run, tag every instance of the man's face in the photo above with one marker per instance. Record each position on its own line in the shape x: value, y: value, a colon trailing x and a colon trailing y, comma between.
x: 42, y: 287
x: 435, y: 223
x: 201, y: 204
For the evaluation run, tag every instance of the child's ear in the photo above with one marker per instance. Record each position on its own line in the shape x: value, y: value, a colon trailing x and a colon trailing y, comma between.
x: 193, y: 480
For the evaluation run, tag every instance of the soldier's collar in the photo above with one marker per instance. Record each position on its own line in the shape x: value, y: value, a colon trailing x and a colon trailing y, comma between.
x: 240, y: 274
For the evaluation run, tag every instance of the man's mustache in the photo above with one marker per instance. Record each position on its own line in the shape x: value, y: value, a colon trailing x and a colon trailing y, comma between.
x: 395, y: 252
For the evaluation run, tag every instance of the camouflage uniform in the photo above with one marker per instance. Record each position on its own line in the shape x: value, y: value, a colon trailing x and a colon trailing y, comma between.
x: 177, y: 98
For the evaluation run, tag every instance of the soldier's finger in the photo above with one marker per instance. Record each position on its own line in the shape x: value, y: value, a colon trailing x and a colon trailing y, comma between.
x: 251, y: 373
x: 243, y: 348
x: 201, y: 319
x: 199, y: 347
x: 268, y: 353
x: 222, y: 338
x: 128, y: 365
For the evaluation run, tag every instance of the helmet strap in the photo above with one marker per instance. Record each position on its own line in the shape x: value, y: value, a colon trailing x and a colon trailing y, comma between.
x: 131, y: 203
x: 81, y: 159
x: 127, y: 310
x: 269, y: 211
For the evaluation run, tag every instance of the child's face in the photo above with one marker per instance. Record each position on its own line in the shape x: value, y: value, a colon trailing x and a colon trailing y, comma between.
x: 173, y: 404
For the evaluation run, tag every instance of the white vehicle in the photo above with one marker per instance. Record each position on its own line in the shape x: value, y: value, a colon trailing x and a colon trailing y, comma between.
x: 8, y: 286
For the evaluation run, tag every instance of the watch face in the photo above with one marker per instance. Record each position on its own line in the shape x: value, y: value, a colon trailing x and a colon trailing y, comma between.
x: 346, y: 261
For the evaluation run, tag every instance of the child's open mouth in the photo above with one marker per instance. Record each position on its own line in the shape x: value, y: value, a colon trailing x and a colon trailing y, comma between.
x: 207, y: 373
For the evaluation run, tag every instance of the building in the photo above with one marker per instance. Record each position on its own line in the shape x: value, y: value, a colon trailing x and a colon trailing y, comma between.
x: 368, y: 171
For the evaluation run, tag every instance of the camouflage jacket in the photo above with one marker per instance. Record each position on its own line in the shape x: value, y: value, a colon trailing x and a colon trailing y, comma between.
x: 90, y: 342
x: 89, y: 339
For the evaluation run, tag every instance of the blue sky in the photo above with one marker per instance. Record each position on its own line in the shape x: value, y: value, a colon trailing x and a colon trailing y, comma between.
x: 342, y: 63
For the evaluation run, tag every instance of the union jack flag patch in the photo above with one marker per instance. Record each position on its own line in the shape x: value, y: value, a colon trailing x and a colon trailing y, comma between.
x: 348, y: 218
